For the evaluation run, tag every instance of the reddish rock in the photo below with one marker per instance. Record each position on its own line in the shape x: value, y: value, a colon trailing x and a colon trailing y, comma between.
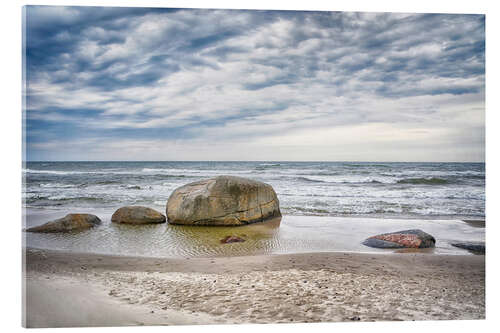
x: 231, y: 239
x: 406, y: 240
x: 401, y: 239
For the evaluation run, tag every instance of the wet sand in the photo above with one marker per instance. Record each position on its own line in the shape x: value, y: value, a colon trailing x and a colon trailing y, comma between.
x: 70, y: 289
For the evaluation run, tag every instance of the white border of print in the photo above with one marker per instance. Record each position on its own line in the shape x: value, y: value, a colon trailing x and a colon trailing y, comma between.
x: 11, y: 162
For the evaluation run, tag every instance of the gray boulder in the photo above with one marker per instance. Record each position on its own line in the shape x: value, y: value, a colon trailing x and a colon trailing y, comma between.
x: 137, y: 215
x: 413, y: 238
x: 476, y: 247
x: 70, y: 222
x: 224, y: 200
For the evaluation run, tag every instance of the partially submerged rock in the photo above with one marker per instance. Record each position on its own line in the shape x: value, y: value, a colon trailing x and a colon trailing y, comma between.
x: 413, y: 238
x: 231, y: 239
x: 137, y: 215
x: 68, y: 223
x: 476, y: 223
x: 476, y: 247
x: 224, y: 200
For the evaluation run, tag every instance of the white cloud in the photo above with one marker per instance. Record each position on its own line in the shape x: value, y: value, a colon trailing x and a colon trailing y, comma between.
x: 267, y: 85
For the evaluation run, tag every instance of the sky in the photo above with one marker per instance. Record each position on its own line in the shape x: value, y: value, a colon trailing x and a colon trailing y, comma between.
x: 104, y: 83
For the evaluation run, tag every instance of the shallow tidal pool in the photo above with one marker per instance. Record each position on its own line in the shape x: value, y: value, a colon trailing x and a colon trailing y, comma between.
x: 290, y: 234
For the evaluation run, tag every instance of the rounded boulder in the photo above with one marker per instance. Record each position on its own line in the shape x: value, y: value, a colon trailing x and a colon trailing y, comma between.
x: 223, y: 200
x: 70, y: 222
x: 137, y: 215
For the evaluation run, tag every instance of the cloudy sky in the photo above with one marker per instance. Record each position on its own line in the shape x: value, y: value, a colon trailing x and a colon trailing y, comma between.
x: 163, y: 84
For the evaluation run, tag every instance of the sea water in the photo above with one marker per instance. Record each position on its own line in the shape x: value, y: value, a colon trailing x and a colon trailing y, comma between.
x: 402, y: 190
x: 326, y: 206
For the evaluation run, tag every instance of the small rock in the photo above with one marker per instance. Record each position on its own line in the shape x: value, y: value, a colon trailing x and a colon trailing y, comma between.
x: 231, y: 239
x: 476, y: 247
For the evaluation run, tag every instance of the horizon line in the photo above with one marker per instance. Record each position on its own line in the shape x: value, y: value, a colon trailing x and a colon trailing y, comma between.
x: 275, y: 161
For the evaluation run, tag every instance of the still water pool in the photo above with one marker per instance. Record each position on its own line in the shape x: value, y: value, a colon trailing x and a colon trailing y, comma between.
x: 290, y: 234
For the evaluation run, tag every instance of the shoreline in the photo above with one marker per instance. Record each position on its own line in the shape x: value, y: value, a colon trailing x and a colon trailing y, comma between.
x: 304, y: 287
x: 478, y: 220
x: 291, y: 234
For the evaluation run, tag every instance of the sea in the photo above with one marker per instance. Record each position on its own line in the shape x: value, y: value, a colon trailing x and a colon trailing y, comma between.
x: 403, y: 190
x: 326, y: 206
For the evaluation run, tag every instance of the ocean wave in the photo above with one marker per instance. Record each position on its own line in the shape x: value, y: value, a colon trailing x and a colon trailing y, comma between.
x: 310, y: 210
x: 132, y: 187
x: 60, y: 199
x: 192, y: 172
x: 79, y: 198
x: 63, y: 172
x: 144, y: 172
x: 358, y: 181
x: 56, y: 185
x: 264, y: 166
x: 390, y: 210
x: 107, y: 182
x: 54, y: 172
x: 270, y: 164
x: 424, y: 181
x: 310, y: 180
x: 354, y: 165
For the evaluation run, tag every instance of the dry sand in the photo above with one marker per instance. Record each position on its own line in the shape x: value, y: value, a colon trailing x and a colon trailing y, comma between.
x: 70, y: 289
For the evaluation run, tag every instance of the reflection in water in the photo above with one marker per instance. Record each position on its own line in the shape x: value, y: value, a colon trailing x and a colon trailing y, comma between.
x: 412, y: 250
x: 290, y: 234
x: 259, y: 238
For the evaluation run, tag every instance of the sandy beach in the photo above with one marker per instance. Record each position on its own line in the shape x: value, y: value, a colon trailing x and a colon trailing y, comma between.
x: 73, y: 289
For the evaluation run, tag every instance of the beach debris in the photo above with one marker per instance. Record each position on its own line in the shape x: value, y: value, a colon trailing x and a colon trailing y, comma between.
x: 223, y: 200
x: 70, y: 222
x: 137, y: 215
x: 476, y: 247
x: 231, y: 239
x: 414, y: 238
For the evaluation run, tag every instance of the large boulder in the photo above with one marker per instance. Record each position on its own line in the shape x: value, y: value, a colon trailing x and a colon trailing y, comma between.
x: 414, y: 238
x: 137, y: 215
x: 224, y: 200
x: 70, y: 222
